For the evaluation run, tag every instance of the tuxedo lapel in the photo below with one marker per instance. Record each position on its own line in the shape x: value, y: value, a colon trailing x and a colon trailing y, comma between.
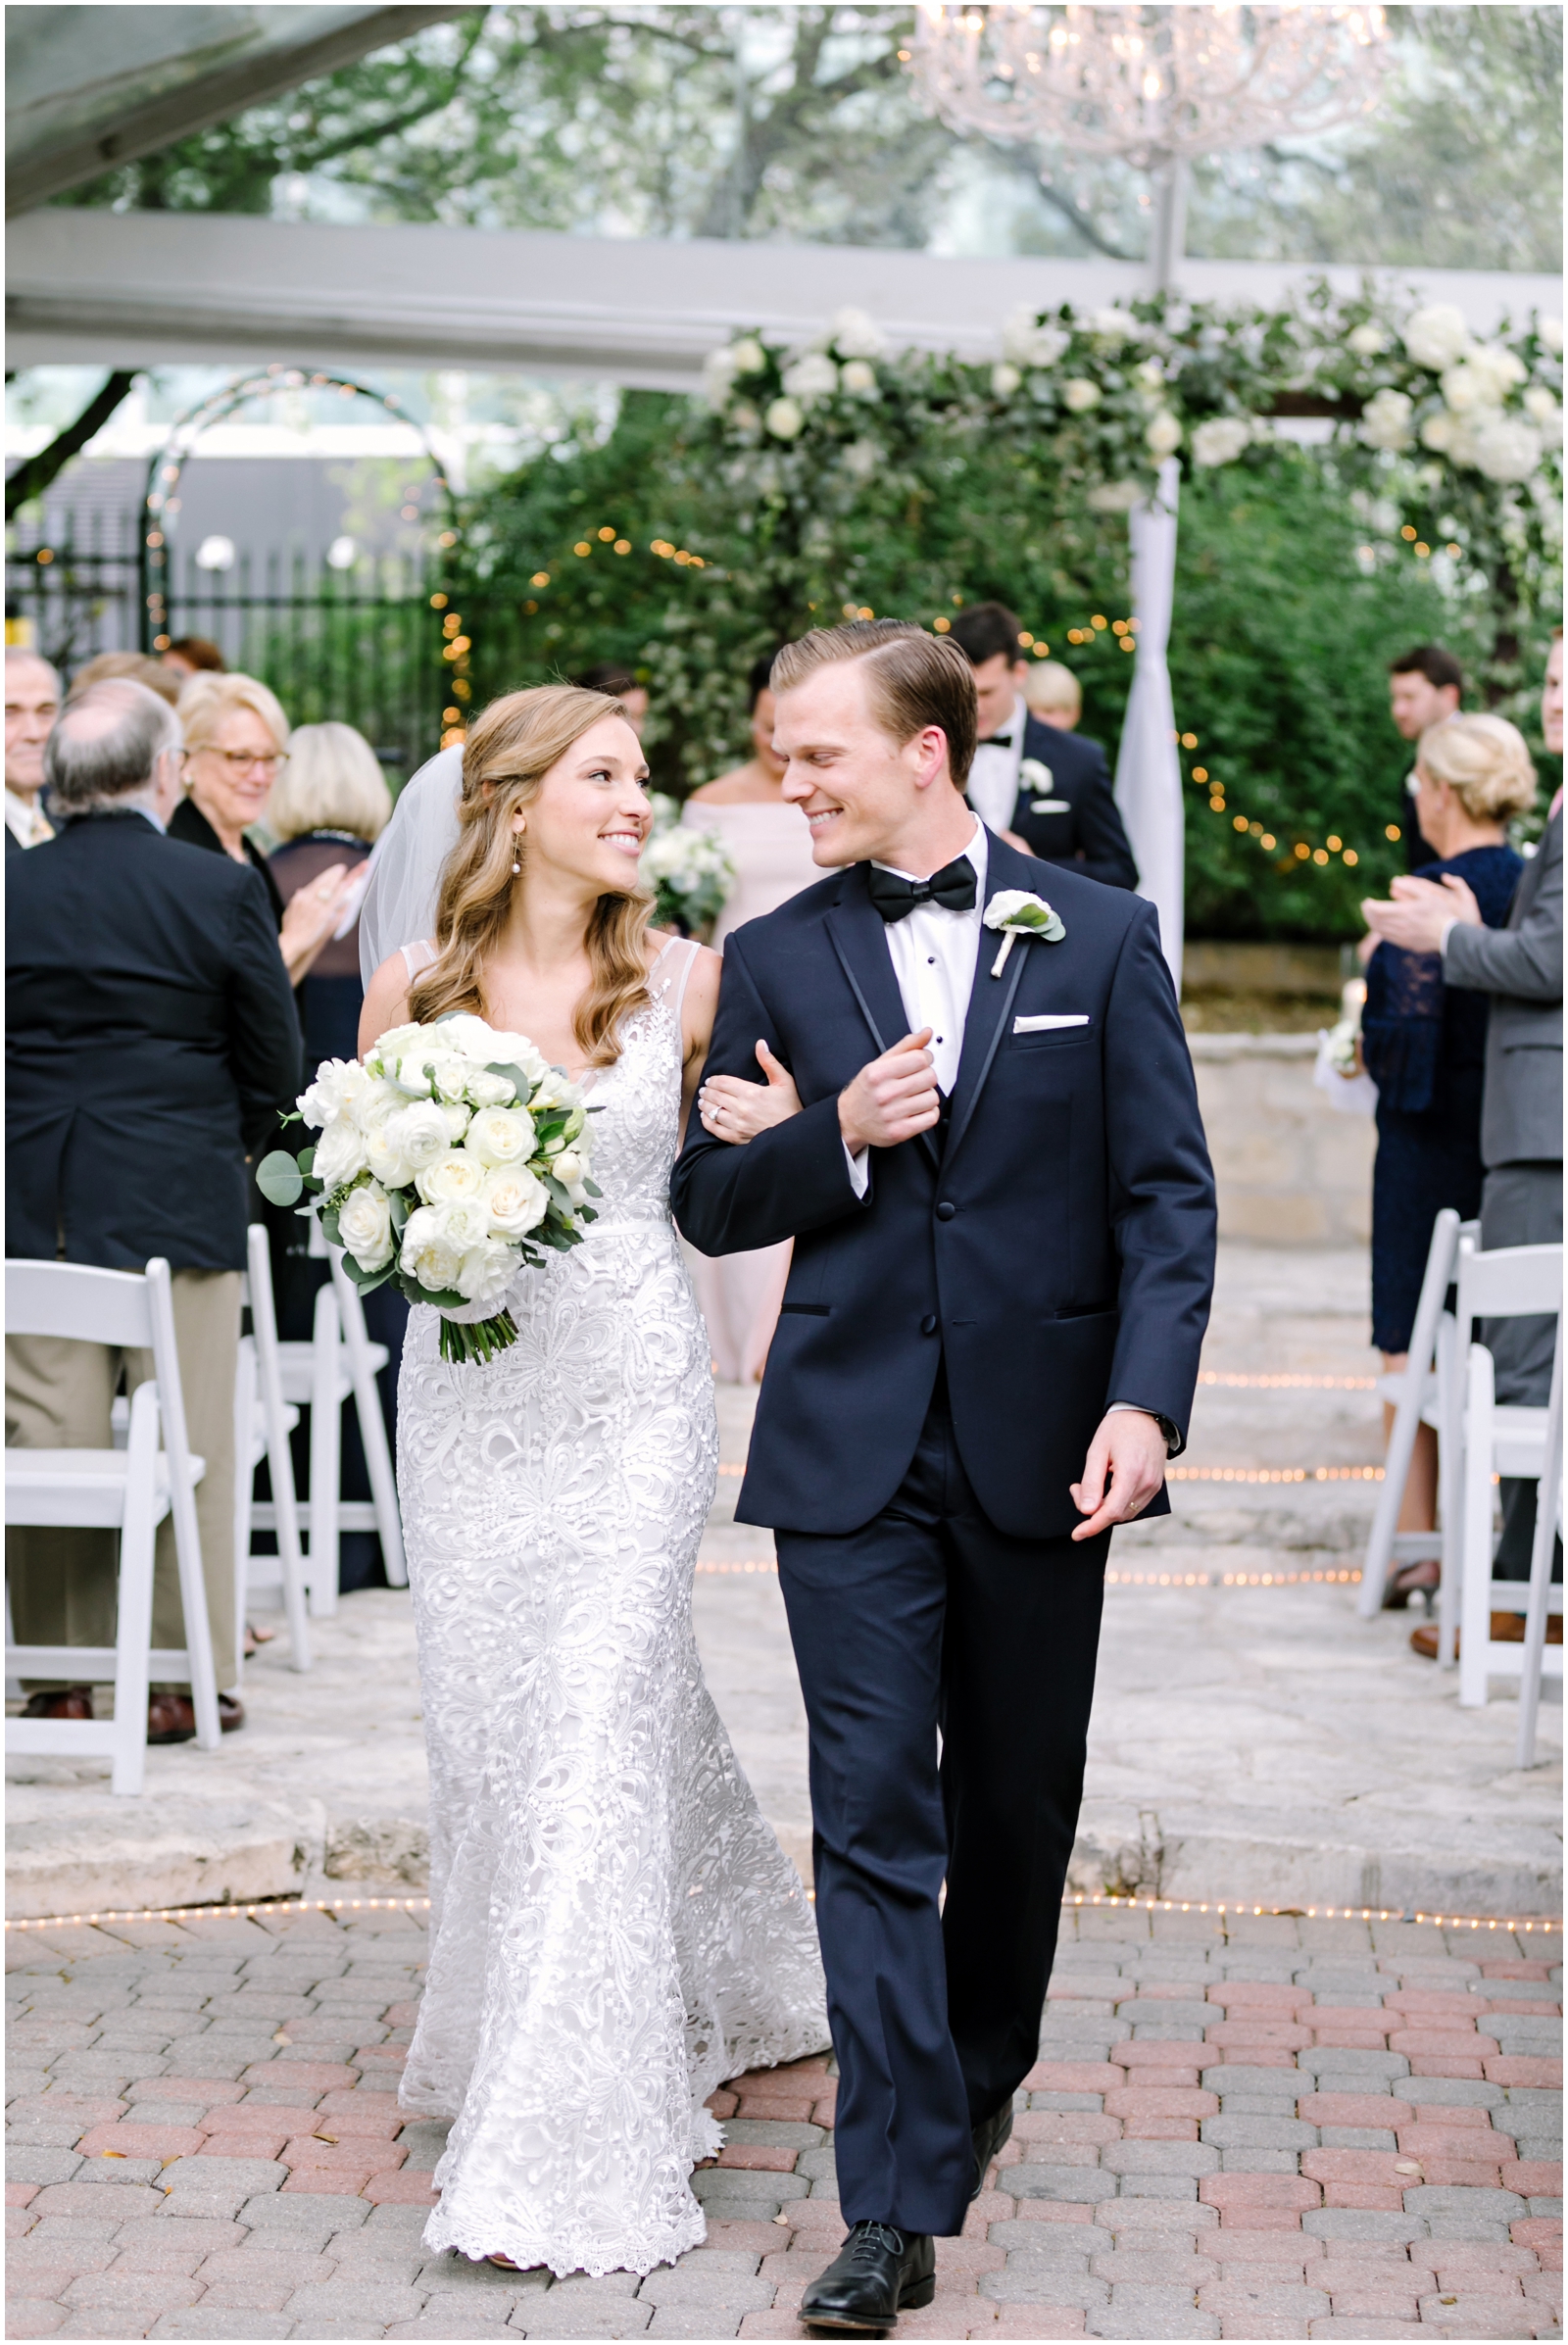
x: 858, y: 936
x: 991, y: 998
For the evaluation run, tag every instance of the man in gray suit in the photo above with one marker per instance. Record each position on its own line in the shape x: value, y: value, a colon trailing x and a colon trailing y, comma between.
x: 1521, y: 1119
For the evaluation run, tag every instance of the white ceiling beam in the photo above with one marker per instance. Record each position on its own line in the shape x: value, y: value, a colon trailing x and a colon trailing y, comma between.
x: 149, y: 288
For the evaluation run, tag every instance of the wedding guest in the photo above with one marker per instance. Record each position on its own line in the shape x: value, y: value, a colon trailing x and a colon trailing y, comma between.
x: 32, y: 703
x: 237, y: 743
x: 1046, y: 792
x: 770, y: 847
x: 1423, y: 1039
x: 329, y: 807
x: 622, y: 683
x: 1425, y: 685
x: 152, y: 1039
x: 194, y: 654
x: 1520, y: 969
x: 135, y: 667
x: 1053, y: 694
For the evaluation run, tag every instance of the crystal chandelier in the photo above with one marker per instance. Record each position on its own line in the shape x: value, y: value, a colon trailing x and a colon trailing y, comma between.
x: 1152, y: 85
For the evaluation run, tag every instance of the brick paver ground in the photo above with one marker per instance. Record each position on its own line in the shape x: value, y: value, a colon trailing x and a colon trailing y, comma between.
x: 1262, y: 2128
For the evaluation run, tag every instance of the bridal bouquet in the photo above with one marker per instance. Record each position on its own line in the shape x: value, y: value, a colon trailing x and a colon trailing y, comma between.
x: 445, y: 1161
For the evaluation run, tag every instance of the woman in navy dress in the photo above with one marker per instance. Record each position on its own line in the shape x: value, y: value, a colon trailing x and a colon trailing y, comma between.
x: 1424, y: 1042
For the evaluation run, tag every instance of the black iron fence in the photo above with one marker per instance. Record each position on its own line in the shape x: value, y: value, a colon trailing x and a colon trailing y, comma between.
x: 363, y: 645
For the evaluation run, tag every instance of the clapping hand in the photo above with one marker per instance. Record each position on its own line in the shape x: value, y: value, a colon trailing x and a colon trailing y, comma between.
x: 737, y: 1112
x: 1420, y: 912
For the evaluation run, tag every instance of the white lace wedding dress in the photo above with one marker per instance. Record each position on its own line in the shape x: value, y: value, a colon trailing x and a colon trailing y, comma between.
x: 614, y: 1929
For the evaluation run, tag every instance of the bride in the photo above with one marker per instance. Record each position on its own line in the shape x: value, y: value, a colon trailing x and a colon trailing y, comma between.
x: 614, y: 1928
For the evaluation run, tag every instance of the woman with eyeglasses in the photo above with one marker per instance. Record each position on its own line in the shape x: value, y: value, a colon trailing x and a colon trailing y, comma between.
x: 237, y: 744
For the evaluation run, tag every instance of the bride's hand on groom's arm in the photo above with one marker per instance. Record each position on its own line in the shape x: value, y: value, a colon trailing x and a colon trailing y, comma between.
x: 891, y: 1099
x: 1123, y: 1471
x: 737, y: 1112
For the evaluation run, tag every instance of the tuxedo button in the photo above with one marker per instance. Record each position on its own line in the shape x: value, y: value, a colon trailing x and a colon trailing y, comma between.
x: 928, y: 1324
x: 945, y: 1212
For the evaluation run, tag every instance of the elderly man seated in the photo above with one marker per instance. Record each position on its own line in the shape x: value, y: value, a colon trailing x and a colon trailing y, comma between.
x: 152, y: 1041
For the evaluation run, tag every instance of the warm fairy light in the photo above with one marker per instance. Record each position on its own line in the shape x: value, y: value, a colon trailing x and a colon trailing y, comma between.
x: 1282, y: 1382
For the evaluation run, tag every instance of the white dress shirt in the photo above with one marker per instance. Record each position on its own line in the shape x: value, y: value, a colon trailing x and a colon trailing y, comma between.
x: 993, y: 775
x: 933, y: 952
x: 27, y: 820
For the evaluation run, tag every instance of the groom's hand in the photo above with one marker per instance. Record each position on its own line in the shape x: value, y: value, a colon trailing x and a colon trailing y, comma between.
x: 893, y: 1098
x: 1123, y: 1471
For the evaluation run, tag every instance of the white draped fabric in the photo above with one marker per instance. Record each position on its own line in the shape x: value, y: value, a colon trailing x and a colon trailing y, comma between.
x: 1149, y: 778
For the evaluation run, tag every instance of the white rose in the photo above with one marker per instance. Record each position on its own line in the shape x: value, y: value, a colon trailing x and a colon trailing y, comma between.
x: 568, y: 1166
x: 1546, y: 412
x: 1004, y: 380
x: 1367, y: 341
x: 1079, y: 395
x: 447, y: 1180
x: 1436, y: 432
x: 748, y: 356
x: 387, y: 1161
x: 490, y: 1091
x: 486, y: 1271
x: 858, y: 336
x: 784, y: 419
x: 718, y: 374
x: 1437, y: 336
x: 365, y: 1226
x: 464, y: 1223
x: 1221, y: 440
x: 1550, y: 332
x: 1499, y: 367
x: 333, y: 1093
x: 813, y: 376
x: 449, y: 1073
x: 1029, y: 344
x: 555, y: 1089
x: 1465, y: 388
x: 419, y: 1133
x: 389, y: 1047
x: 1164, y: 434
x: 516, y: 1202
x: 860, y: 376
x: 428, y: 1254
x: 501, y: 1136
x: 1115, y: 495
x: 1386, y: 422
x: 1506, y: 447
x: 515, y: 1049
x: 458, y: 1118
x: 744, y: 417
x: 340, y: 1154
x: 862, y: 457
x: 375, y: 1102
x: 1111, y: 326
x: 463, y: 1033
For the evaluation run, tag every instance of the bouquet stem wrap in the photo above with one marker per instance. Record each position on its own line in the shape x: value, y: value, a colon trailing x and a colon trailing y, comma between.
x: 451, y: 1159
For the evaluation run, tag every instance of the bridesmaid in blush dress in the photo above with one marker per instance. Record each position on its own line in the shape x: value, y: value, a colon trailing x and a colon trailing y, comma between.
x: 770, y: 848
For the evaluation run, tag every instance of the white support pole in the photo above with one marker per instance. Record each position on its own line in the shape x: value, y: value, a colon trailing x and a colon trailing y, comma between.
x: 1149, y: 777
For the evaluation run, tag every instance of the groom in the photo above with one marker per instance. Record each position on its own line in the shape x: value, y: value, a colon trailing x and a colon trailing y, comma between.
x: 1003, y: 1224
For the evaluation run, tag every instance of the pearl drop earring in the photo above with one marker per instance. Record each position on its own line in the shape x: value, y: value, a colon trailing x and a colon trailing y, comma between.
x: 517, y: 851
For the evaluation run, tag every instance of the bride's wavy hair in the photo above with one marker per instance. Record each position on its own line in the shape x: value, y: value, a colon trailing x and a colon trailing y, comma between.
x: 509, y: 751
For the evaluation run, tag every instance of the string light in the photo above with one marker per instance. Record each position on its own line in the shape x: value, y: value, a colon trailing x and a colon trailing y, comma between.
x: 1349, y: 1578
x: 1281, y: 1383
x: 1274, y: 1473
x: 1531, y: 1925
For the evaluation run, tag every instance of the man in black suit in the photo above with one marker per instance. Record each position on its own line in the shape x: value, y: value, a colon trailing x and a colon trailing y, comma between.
x: 32, y: 703
x: 152, y: 1040
x: 1039, y: 787
x: 995, y: 1176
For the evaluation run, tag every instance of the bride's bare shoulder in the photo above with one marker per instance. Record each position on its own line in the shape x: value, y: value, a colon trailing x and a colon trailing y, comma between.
x: 386, y: 1001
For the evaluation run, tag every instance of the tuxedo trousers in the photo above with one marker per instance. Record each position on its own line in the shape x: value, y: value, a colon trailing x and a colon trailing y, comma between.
x: 948, y: 1671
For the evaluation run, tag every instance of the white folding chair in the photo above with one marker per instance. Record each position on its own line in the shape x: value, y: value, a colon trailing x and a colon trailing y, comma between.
x: 262, y: 1423
x: 1414, y: 1392
x: 340, y: 1363
x: 1485, y: 1441
x: 1549, y: 1528
x: 130, y: 1490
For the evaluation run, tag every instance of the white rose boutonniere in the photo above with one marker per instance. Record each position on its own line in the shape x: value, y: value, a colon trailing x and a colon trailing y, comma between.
x: 1031, y: 775
x: 1016, y: 913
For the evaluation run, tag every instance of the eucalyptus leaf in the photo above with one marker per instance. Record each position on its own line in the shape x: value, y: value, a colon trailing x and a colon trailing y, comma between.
x: 277, y: 1177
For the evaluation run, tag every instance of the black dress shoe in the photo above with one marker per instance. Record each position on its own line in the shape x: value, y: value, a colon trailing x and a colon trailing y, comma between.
x: 989, y: 2134
x: 877, y: 2273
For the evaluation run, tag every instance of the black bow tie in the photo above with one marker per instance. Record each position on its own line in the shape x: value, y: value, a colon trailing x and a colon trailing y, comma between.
x: 995, y: 741
x: 953, y: 887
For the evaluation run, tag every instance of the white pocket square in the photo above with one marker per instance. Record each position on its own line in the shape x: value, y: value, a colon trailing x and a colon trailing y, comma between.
x: 1045, y: 1025
x: 1051, y: 806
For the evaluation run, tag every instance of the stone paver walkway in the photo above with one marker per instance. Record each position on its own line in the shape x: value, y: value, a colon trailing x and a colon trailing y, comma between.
x: 1266, y: 2127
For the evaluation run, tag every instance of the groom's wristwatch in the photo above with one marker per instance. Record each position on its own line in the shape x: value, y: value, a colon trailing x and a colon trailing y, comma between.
x: 1174, y: 1444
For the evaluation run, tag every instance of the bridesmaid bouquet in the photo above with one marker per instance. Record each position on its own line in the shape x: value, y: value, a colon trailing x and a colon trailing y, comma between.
x: 445, y: 1162
x: 689, y: 870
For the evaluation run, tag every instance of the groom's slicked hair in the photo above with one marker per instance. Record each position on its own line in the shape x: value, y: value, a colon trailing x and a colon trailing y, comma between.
x: 915, y: 679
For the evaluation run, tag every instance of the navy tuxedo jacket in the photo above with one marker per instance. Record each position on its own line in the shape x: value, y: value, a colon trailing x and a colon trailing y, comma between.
x: 1084, y: 831
x: 1056, y: 1244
